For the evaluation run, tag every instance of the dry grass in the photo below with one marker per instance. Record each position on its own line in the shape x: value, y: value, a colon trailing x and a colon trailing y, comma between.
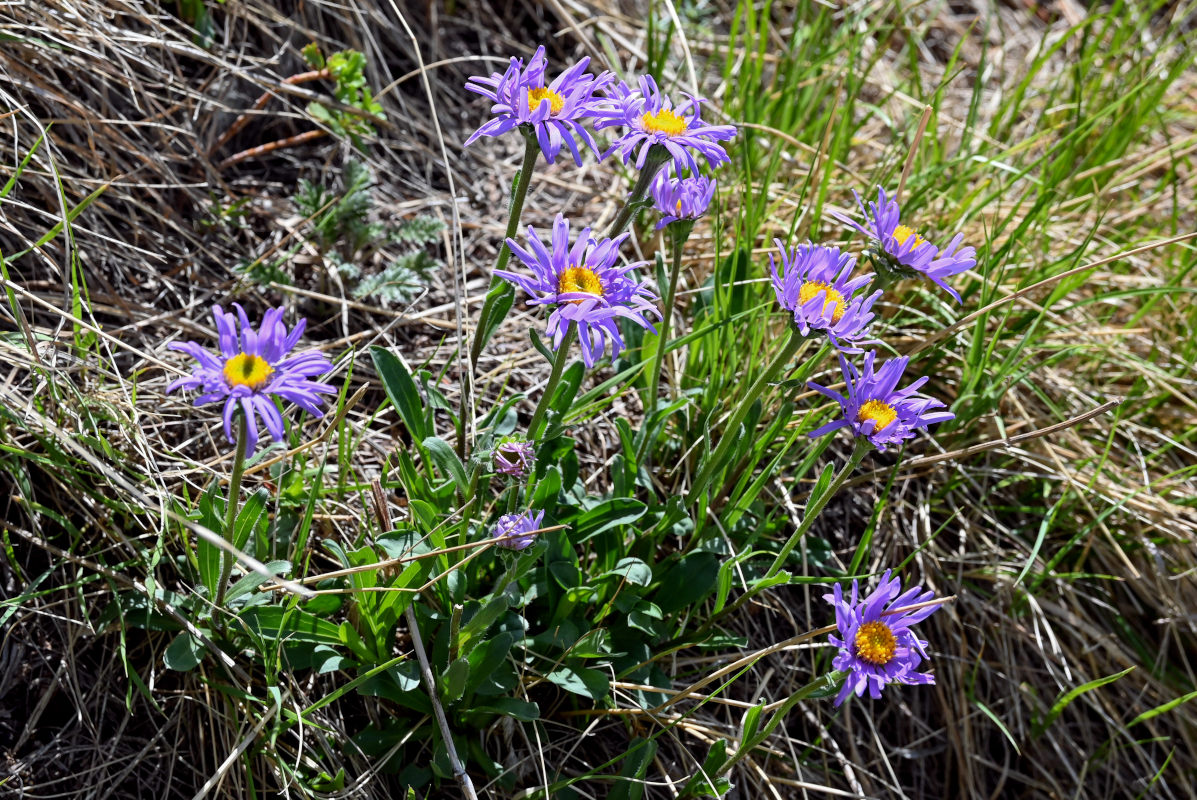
x: 130, y: 104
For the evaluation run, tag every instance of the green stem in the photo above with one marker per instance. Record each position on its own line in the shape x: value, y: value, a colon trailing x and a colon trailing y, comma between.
x: 518, y: 194
x: 820, y: 684
x: 813, y: 509
x: 554, y: 378
x: 680, y: 231
x: 731, y: 431
x: 817, y: 505
x: 231, y: 505
x: 657, y: 157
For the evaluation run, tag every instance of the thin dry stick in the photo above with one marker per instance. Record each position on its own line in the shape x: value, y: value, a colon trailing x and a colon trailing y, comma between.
x: 260, y: 103
x: 459, y: 772
x: 924, y: 461
x: 914, y: 148
x: 270, y: 147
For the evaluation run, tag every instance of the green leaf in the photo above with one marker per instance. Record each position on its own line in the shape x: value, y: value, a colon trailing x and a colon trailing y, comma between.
x: 632, y: 570
x: 184, y: 653
x: 510, y: 707
x: 503, y: 295
x: 635, y: 767
x: 401, y: 389
x: 481, y: 622
x: 249, y: 582
x: 1171, y: 704
x: 248, y: 517
x: 275, y: 622
x: 581, y: 680
x: 447, y: 462
x: 70, y: 216
x: 607, y: 515
x: 453, y: 680
x: 751, y: 722
x: 1067, y: 697
x: 208, y: 554
x: 487, y: 657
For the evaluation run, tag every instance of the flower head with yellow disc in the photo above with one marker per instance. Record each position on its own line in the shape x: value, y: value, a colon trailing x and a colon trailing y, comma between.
x: 900, y: 251
x: 652, y: 119
x: 876, y: 645
x: 817, y: 286
x: 583, y: 285
x: 252, y: 369
x: 551, y: 111
x: 875, y: 408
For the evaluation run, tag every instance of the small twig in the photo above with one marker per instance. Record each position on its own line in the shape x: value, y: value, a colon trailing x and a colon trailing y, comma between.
x: 459, y: 772
x: 270, y: 147
x: 914, y: 148
x: 241, y: 121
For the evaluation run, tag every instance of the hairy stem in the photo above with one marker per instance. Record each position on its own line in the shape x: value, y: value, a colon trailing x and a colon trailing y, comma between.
x: 231, y: 506
x: 518, y: 194
x: 554, y: 378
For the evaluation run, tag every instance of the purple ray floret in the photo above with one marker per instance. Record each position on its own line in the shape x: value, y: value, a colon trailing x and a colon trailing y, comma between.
x: 901, y: 251
x: 652, y: 119
x: 584, y: 287
x: 681, y: 198
x: 514, y: 457
x: 876, y: 409
x: 876, y: 645
x: 818, y: 288
x: 554, y: 111
x: 254, y: 367
x: 518, y: 530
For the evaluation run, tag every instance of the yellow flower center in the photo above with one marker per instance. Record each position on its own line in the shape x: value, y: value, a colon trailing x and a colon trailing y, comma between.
x: 556, y: 101
x: 246, y: 370
x: 902, y: 233
x: 664, y: 121
x: 880, y: 412
x: 810, y: 290
x: 579, y: 279
x: 875, y: 643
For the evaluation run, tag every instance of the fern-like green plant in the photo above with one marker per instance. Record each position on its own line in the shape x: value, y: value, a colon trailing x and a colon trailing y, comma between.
x: 346, y: 237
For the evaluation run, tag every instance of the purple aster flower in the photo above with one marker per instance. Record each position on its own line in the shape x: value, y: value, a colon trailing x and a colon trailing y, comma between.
x: 818, y: 288
x: 514, y: 457
x: 554, y: 111
x: 584, y: 286
x: 518, y: 530
x: 876, y: 410
x: 878, y: 648
x: 900, y: 252
x: 253, y: 368
x: 652, y: 119
x: 681, y: 198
